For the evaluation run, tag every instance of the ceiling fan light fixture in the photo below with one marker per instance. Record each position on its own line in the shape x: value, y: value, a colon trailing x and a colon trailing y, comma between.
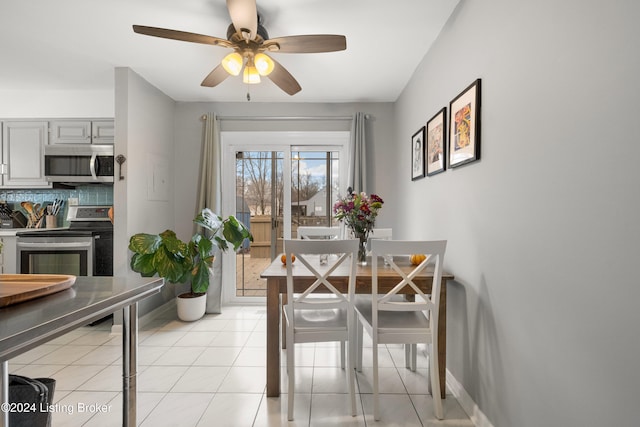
x: 232, y: 63
x: 264, y: 64
x: 250, y: 75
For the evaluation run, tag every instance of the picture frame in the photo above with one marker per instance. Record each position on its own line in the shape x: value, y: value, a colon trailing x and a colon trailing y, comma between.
x: 417, y: 154
x: 464, y: 126
x: 436, y: 143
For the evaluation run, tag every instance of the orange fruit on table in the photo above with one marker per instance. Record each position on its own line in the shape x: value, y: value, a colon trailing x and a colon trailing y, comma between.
x: 416, y: 259
x: 283, y: 258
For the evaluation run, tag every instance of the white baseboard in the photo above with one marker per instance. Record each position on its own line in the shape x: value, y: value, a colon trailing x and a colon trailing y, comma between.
x: 169, y: 306
x: 477, y: 417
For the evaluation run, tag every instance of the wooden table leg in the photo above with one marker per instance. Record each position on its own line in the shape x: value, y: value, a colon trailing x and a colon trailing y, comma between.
x: 273, y: 341
x: 442, y: 338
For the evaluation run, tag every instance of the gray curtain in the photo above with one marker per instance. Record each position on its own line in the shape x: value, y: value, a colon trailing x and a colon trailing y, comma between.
x: 209, y: 194
x: 358, y: 154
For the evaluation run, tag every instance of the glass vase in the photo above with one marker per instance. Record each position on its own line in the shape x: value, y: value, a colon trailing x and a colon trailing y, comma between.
x: 362, y: 249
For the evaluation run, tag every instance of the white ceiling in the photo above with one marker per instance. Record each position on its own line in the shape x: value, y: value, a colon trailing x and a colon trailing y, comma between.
x: 75, y: 45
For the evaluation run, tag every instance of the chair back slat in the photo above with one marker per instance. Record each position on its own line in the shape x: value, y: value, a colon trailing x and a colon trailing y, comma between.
x: 342, y: 251
x: 319, y: 233
x: 434, y: 252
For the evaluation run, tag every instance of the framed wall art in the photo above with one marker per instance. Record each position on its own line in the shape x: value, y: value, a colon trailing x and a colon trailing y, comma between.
x: 464, y: 126
x: 417, y: 155
x: 436, y: 136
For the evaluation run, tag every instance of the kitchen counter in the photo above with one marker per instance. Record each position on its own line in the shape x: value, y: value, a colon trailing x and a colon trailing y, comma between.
x: 10, y: 231
x: 29, y: 324
x: 14, y: 231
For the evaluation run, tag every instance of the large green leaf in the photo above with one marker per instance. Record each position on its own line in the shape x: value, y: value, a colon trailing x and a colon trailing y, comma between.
x: 235, y: 232
x: 205, y: 248
x: 174, y: 245
x: 209, y: 220
x: 169, y: 266
x: 143, y: 264
x: 200, y: 277
x: 143, y: 243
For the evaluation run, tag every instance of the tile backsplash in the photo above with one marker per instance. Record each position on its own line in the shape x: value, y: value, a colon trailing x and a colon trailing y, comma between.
x: 86, y: 195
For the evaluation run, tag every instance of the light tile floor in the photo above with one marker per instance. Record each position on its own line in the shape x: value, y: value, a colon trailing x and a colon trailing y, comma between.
x: 211, y: 373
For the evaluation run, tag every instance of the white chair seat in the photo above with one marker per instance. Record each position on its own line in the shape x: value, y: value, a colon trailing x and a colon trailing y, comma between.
x: 334, y: 320
x: 393, y: 321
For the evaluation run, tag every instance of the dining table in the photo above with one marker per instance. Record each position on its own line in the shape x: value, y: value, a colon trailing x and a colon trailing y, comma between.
x: 276, y: 277
x: 30, y: 323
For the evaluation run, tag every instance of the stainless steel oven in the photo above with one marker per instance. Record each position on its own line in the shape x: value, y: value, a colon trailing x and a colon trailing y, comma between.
x: 59, y: 254
x: 85, y: 248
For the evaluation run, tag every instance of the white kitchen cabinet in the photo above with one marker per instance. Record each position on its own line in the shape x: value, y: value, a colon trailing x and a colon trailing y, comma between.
x: 82, y: 131
x: 102, y: 131
x: 23, y: 145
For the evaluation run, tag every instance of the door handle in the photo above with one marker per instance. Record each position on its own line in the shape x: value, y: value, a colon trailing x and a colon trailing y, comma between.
x: 92, y: 166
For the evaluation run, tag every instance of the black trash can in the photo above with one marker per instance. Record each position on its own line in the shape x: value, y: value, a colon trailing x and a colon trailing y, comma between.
x: 30, y: 400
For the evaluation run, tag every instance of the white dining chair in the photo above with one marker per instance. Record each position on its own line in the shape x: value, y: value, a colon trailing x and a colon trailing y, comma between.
x: 381, y: 233
x: 317, y: 232
x: 378, y: 234
x: 320, y: 317
x: 390, y: 319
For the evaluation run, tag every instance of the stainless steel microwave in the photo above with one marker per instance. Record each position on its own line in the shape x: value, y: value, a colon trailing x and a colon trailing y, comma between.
x: 79, y: 163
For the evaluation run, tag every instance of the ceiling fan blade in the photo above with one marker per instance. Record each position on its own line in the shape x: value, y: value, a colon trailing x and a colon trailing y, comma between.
x: 244, y: 15
x: 316, y: 43
x: 180, y: 35
x: 283, y: 79
x: 215, y: 77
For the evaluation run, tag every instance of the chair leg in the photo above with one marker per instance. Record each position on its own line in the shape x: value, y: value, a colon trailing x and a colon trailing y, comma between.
x: 429, y: 390
x: 407, y: 356
x: 358, y: 343
x: 283, y: 322
x: 290, y: 373
x: 411, y: 356
x: 342, y: 354
x: 376, y: 397
x: 414, y: 357
x: 351, y: 373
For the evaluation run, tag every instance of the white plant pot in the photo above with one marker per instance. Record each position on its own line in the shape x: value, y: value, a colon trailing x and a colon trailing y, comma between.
x: 191, y: 309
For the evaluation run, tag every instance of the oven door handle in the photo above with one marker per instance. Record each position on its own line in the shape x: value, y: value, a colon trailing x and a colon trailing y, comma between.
x: 49, y: 245
x: 92, y: 166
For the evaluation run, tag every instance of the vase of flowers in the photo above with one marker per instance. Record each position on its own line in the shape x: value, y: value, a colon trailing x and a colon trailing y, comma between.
x: 358, y: 211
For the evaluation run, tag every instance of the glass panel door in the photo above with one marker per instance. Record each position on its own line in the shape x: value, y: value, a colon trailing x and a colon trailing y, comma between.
x: 274, y: 187
x: 315, y: 187
x: 259, y: 205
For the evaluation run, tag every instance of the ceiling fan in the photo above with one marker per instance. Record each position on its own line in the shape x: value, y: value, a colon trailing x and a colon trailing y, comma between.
x: 250, y: 43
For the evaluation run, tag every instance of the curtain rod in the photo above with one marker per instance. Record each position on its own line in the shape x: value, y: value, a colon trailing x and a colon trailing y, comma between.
x: 275, y: 118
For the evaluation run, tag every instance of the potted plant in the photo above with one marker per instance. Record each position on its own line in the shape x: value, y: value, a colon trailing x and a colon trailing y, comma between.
x: 180, y: 262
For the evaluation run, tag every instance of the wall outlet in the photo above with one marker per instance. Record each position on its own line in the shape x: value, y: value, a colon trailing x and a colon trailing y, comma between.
x: 73, y: 201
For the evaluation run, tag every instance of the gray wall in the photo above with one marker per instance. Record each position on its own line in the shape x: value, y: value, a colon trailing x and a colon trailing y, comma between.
x: 188, y: 138
x: 144, y: 200
x: 543, y: 231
